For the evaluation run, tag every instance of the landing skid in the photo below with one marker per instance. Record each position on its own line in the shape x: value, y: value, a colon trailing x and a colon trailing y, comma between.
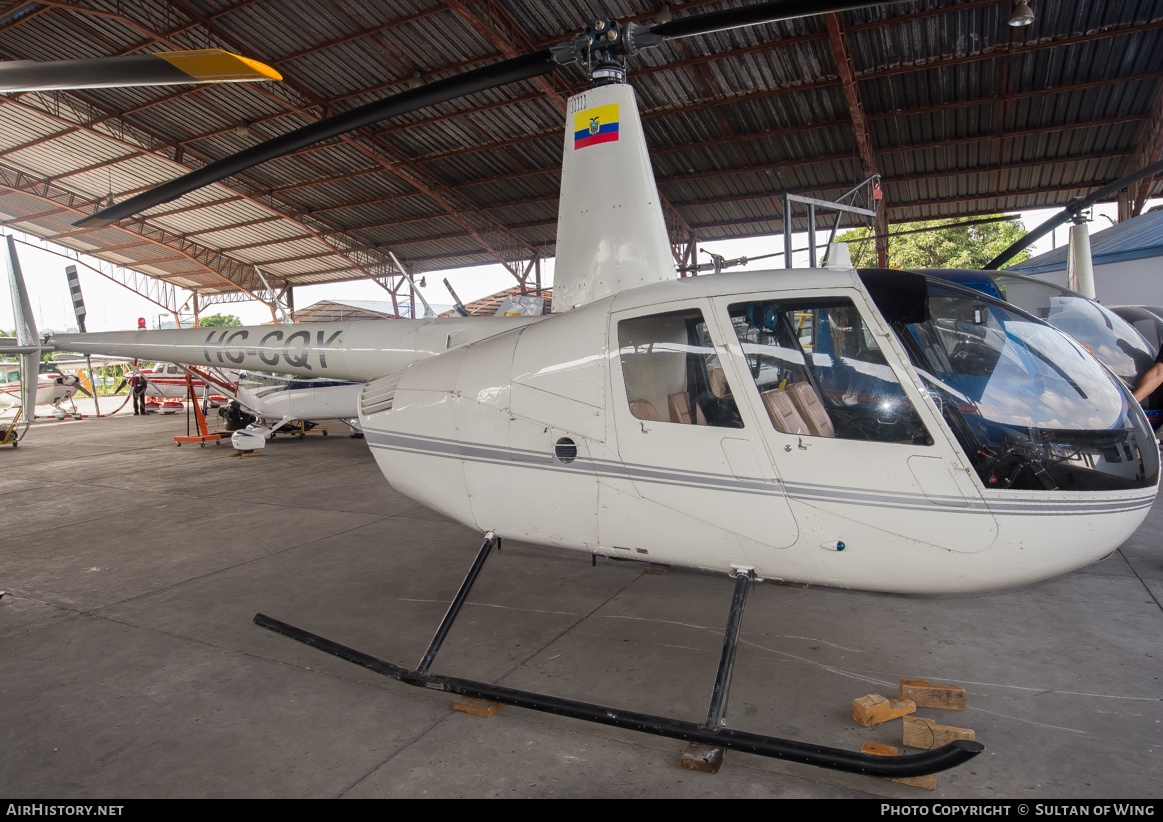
x: 710, y: 733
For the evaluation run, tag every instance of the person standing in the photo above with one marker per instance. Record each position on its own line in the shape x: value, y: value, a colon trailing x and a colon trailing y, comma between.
x: 1152, y: 378
x: 138, y: 385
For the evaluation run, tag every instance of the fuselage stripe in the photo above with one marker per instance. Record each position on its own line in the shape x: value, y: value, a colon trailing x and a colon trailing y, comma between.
x: 800, y: 492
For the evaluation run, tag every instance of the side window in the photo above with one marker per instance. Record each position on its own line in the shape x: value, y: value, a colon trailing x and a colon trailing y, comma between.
x: 820, y: 372
x: 672, y: 372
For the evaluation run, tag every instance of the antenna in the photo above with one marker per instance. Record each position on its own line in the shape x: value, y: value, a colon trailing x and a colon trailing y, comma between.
x: 282, y: 316
x: 428, y: 312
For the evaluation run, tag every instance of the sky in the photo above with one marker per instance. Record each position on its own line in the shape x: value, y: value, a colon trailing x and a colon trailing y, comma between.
x: 112, y: 307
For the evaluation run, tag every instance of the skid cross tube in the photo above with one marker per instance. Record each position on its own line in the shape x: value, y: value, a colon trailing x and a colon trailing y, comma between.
x: 491, y: 539
x: 940, y: 759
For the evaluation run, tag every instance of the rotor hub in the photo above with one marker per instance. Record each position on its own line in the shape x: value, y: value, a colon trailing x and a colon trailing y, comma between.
x: 604, y: 46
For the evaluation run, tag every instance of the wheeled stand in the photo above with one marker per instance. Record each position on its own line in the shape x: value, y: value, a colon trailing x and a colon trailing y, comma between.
x: 711, y: 733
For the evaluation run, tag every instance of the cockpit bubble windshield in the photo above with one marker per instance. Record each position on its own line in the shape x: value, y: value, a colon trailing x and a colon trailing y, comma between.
x: 1032, y: 409
x: 1108, y: 336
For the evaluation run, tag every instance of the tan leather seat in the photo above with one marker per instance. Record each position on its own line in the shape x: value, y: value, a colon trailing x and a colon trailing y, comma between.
x: 807, y: 402
x: 783, y: 413
x: 644, y: 410
x: 679, y: 405
x: 717, y: 380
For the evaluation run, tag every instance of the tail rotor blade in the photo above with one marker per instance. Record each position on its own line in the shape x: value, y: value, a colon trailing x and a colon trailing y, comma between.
x: 78, y: 298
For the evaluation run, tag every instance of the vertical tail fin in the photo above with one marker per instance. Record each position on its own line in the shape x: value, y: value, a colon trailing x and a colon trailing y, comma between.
x: 25, y: 333
x: 21, y: 308
x: 611, y: 235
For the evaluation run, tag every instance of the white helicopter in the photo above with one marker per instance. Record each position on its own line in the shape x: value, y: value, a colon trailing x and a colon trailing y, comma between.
x: 870, y: 429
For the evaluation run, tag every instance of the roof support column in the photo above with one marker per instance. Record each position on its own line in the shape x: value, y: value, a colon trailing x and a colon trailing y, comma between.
x: 859, y: 128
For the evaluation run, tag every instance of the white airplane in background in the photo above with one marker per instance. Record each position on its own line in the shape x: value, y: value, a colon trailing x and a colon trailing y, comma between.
x: 168, y: 381
x: 276, y: 401
x: 53, y: 387
x: 873, y: 429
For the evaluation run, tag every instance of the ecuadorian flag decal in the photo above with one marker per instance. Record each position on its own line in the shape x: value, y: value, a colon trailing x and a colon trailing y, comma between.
x: 595, y: 125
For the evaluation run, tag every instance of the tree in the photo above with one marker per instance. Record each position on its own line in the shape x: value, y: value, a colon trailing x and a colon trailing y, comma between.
x: 964, y: 246
x: 218, y: 321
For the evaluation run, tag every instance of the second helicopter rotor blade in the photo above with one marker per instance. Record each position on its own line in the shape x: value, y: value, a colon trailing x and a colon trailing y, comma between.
x: 1082, y: 204
x: 769, y: 12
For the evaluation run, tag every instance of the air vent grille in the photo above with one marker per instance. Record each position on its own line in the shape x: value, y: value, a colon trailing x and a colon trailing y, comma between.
x: 379, y: 394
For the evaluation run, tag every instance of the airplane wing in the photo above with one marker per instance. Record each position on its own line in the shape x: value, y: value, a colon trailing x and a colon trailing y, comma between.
x: 98, y: 361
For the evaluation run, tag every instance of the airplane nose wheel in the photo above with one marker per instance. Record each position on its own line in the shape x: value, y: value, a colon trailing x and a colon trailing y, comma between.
x: 712, y: 733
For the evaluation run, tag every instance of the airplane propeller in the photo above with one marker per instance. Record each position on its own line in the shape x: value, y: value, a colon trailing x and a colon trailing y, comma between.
x: 81, y: 387
x: 603, y: 47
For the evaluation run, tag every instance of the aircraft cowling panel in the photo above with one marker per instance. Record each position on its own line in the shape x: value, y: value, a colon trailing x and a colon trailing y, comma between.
x: 455, y: 440
x: 413, y: 437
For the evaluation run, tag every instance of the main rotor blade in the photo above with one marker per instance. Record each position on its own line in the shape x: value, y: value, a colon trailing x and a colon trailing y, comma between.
x: 507, y: 71
x: 440, y: 91
x: 160, y: 69
x: 1067, y: 214
x: 769, y: 12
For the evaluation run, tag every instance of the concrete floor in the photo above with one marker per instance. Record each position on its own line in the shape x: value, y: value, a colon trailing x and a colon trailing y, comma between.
x: 129, y: 665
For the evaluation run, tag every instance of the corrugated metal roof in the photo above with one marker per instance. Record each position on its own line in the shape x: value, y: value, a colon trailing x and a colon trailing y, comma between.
x: 965, y: 116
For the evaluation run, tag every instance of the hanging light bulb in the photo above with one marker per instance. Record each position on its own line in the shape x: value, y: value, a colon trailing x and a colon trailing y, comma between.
x: 1023, y: 15
x: 664, y: 15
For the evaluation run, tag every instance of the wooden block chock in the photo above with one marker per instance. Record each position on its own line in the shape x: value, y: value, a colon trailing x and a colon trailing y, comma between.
x: 703, y: 758
x: 927, y: 695
x: 928, y: 781
x: 873, y: 709
x: 477, y: 707
x: 927, y: 734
